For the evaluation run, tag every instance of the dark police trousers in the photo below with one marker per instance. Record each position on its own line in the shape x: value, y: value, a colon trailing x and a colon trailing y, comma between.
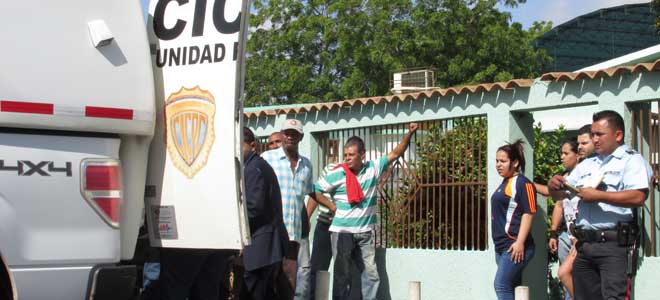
x: 321, y: 254
x: 261, y: 283
x: 599, y: 271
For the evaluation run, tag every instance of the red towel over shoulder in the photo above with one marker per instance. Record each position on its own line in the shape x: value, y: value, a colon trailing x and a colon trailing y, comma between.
x: 353, y: 188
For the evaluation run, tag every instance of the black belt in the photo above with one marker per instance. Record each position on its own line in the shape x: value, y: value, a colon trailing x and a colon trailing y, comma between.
x: 596, y: 236
x: 562, y: 227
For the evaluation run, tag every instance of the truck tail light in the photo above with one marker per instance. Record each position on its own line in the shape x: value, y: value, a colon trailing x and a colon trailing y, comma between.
x: 101, y: 188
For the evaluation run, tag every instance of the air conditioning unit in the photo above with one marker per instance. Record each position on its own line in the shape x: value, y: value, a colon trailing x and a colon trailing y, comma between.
x: 413, y: 81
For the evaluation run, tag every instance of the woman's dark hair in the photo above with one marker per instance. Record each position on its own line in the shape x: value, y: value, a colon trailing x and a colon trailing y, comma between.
x: 572, y: 143
x: 515, y: 152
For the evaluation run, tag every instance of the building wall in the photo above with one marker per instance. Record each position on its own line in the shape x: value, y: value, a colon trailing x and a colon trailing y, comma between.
x: 646, y: 282
x: 448, y: 274
x: 598, y: 36
x: 443, y: 274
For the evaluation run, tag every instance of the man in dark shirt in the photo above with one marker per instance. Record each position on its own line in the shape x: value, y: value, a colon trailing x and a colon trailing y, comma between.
x: 263, y: 257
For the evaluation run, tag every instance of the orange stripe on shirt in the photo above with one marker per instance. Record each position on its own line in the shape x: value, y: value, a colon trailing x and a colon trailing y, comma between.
x: 531, y: 197
x: 528, y: 202
x: 533, y: 191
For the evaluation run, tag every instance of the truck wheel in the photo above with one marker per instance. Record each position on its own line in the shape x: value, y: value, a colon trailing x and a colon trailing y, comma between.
x: 6, y: 291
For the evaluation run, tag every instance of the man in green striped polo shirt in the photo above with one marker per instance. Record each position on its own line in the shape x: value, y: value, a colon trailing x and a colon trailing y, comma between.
x: 355, y: 208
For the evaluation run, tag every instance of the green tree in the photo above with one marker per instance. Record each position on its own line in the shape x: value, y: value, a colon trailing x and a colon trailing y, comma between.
x: 547, y: 149
x: 547, y: 163
x: 321, y: 50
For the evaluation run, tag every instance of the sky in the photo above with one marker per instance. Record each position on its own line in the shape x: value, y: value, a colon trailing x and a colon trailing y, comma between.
x: 559, y: 11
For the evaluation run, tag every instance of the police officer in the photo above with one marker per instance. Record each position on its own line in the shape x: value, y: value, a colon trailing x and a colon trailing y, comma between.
x: 606, y: 223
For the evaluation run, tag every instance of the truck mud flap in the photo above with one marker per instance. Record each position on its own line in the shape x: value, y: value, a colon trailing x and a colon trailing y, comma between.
x: 111, y: 282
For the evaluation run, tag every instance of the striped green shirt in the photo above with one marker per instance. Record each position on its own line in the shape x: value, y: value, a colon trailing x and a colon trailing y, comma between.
x: 359, y: 217
x: 325, y: 215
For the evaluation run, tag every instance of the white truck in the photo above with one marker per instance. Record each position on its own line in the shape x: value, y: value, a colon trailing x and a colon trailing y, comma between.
x: 79, y: 106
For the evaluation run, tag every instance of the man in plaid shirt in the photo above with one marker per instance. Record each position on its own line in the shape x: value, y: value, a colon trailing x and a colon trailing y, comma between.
x: 294, y: 173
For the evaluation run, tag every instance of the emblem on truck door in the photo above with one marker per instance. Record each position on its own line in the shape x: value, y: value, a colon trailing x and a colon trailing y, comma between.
x: 189, y: 115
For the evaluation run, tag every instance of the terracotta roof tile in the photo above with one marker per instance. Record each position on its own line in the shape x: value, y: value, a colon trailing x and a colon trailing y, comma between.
x: 484, y: 87
x: 571, y: 76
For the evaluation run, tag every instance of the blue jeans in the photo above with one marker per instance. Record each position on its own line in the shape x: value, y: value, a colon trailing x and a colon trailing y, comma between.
x: 150, y: 272
x: 509, y: 274
x: 564, y: 247
x: 362, y: 246
x: 303, y: 274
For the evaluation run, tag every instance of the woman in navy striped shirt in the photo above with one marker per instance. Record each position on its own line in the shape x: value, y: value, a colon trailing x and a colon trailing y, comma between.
x: 512, y: 207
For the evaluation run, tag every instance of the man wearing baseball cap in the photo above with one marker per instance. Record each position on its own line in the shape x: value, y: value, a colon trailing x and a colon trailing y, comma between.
x: 294, y: 173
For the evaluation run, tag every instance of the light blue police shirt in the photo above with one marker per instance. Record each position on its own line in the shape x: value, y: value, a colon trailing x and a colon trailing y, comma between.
x: 622, y: 170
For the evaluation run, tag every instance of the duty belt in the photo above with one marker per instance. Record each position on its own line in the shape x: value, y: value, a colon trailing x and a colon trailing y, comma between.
x: 596, y: 236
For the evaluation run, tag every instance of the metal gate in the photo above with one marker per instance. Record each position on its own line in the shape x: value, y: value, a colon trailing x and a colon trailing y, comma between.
x: 646, y: 140
x: 435, y: 196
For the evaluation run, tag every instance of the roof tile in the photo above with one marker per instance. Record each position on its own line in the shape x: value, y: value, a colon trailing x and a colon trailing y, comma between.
x: 605, y: 73
x: 484, y: 87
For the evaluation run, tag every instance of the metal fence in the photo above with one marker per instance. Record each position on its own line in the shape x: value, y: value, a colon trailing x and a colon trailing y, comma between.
x: 646, y: 140
x: 435, y: 196
x: 262, y: 144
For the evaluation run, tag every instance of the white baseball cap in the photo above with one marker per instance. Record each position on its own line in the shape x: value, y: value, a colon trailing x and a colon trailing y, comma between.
x: 293, y: 124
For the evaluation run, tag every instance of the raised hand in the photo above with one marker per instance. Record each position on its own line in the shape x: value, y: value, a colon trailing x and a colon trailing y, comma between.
x: 412, y: 127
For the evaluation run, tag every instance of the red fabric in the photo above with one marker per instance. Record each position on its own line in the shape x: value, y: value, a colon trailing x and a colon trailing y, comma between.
x: 353, y: 188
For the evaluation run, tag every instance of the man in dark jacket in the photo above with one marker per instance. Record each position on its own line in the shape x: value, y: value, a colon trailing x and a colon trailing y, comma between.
x: 262, y: 259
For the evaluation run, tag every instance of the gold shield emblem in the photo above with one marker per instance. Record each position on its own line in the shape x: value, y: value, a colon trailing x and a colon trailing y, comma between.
x: 189, y: 115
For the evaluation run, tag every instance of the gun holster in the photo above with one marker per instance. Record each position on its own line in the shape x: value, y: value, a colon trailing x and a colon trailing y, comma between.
x: 627, y: 233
